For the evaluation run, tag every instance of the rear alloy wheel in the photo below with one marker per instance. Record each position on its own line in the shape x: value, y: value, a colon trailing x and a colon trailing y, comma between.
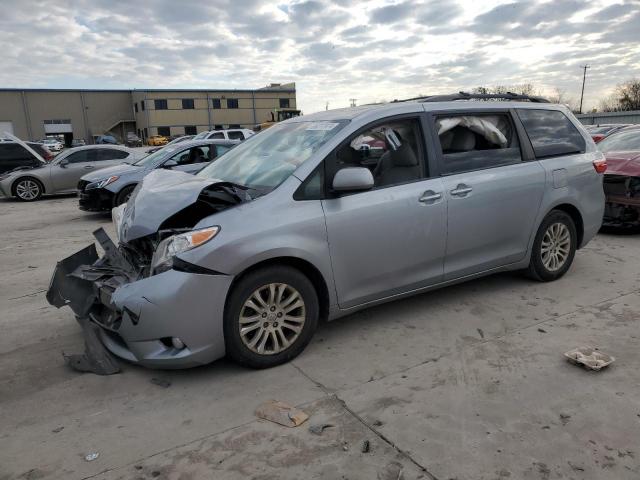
x: 271, y: 316
x: 27, y: 189
x: 554, y: 247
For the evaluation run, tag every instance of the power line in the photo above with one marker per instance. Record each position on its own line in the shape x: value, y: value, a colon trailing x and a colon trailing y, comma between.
x: 584, y: 78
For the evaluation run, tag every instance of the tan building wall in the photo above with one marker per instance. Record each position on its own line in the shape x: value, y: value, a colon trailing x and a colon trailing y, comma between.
x: 95, y: 112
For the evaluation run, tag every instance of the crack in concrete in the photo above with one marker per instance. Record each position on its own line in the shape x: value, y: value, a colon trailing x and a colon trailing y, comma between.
x: 369, y: 427
x: 27, y: 295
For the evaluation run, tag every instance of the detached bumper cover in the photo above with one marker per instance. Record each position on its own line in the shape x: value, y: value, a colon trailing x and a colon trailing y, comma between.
x: 136, y: 317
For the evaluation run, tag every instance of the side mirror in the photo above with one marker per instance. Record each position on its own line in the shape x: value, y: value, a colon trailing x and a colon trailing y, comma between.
x: 353, y: 179
x: 63, y: 163
x: 170, y: 164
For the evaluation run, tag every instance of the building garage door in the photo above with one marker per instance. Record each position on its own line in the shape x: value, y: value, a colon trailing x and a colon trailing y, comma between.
x: 6, y: 127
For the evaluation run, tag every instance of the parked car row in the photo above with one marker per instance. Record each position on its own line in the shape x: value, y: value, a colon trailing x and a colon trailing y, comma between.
x: 107, y: 188
x: 302, y: 223
x: 26, y: 175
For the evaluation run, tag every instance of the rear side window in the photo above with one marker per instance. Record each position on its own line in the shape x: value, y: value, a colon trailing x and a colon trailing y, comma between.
x: 474, y: 142
x: 235, y: 135
x: 551, y: 133
x: 217, y: 135
x: 111, y: 154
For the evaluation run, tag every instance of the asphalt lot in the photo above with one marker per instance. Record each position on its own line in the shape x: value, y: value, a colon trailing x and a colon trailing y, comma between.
x: 468, y: 382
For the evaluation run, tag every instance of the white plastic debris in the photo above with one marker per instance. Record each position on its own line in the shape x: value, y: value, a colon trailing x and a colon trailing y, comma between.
x: 90, y: 457
x: 590, y: 357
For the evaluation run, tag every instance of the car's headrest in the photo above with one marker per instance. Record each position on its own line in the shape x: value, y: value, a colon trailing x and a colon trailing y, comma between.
x: 463, y: 140
x: 403, y: 156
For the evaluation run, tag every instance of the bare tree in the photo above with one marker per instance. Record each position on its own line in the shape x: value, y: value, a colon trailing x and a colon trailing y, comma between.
x: 610, y: 103
x: 560, y: 96
x: 521, y: 89
x: 625, y: 97
x: 629, y: 95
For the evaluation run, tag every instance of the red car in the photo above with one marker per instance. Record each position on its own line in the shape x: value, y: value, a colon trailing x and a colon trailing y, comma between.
x: 600, y: 132
x: 622, y: 179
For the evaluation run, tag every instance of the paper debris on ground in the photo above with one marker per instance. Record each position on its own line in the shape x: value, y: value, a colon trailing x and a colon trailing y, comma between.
x: 281, y: 413
x: 590, y: 357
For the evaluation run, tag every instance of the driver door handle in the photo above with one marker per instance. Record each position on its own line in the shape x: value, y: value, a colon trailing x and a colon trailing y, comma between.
x: 430, y: 197
x: 461, y: 190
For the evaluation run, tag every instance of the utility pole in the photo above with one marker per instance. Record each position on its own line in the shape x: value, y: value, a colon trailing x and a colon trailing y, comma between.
x: 326, y: 107
x: 353, y: 101
x: 584, y: 78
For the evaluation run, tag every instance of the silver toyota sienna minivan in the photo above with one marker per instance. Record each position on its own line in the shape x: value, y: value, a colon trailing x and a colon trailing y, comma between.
x: 326, y: 214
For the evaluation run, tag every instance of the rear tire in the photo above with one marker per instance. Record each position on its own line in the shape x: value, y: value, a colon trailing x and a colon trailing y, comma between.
x: 124, y: 194
x: 27, y: 189
x: 553, y: 248
x: 270, y: 316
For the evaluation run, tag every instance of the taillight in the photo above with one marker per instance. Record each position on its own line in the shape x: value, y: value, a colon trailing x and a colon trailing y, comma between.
x: 597, y: 138
x: 600, y: 165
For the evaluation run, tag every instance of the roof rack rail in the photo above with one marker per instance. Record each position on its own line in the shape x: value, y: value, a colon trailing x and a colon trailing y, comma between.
x: 477, y: 96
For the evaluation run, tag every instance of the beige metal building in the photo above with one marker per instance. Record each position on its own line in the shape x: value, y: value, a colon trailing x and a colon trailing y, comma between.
x: 35, y: 113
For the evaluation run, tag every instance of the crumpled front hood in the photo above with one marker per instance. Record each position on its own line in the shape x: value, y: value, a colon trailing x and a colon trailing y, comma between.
x: 161, y: 194
x: 623, y: 163
x: 123, y: 169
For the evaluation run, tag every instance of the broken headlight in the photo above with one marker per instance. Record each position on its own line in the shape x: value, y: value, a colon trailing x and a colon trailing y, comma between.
x: 172, y: 246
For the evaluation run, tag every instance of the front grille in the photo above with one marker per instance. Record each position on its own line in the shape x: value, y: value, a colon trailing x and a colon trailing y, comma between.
x: 82, y: 184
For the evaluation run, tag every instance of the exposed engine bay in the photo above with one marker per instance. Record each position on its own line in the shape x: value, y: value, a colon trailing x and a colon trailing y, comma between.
x: 87, y: 283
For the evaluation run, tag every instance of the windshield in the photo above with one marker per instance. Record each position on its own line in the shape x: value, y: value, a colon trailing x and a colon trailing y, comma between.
x: 265, y: 160
x: 621, y: 142
x: 155, y: 157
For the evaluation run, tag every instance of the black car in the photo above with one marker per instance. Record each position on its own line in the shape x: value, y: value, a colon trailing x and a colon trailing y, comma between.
x: 13, y: 155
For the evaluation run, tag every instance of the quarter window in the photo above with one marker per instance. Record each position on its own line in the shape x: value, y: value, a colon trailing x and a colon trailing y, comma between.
x: 474, y: 142
x: 160, y: 104
x: 551, y: 133
x: 391, y: 150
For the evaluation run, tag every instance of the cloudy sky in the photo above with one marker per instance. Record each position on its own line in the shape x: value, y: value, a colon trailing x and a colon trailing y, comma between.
x: 334, y: 51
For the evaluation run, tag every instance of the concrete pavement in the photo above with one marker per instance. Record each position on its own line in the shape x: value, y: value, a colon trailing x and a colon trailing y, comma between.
x: 467, y: 382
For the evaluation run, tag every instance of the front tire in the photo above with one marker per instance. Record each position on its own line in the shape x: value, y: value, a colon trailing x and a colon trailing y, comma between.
x: 27, y: 189
x: 554, y: 247
x: 124, y: 194
x: 270, y: 317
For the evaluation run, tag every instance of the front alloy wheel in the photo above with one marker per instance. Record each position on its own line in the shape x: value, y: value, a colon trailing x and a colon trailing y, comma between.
x: 28, y: 190
x: 270, y: 316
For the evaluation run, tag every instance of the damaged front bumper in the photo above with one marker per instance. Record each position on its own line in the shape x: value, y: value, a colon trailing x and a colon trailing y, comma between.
x: 622, y: 201
x: 144, y: 319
